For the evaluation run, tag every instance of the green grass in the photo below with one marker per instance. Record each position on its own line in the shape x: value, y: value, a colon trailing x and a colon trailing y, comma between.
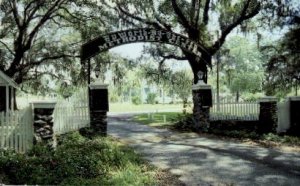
x: 290, y: 140
x: 180, y: 122
x: 126, y: 107
x: 77, y: 161
x: 161, y: 119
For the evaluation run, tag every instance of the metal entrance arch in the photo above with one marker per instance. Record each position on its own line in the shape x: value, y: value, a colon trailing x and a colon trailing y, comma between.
x: 114, y: 39
x: 98, y: 94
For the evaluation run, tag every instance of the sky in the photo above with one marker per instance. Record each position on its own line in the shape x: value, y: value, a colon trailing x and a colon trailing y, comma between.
x: 132, y: 50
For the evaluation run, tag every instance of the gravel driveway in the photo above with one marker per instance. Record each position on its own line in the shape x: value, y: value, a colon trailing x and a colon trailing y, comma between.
x: 204, y: 161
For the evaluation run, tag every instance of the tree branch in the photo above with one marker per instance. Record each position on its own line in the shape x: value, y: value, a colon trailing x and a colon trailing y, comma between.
x: 70, y: 14
x: 198, y: 5
x: 181, y: 18
x: 15, y: 13
x: 243, y: 16
x: 40, y: 74
x: 42, y: 21
x: 39, y: 62
x: 172, y: 56
x: 137, y: 18
x: 6, y: 46
x: 30, y: 13
x: 205, y: 12
x: 194, y: 13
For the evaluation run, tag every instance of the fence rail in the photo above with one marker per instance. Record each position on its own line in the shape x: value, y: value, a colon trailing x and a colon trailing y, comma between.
x: 72, y: 114
x: 16, y: 130
x: 229, y: 109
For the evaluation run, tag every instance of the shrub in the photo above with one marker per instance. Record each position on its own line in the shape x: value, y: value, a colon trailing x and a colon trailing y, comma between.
x: 184, y: 122
x: 29, y: 169
x: 113, y: 98
x: 136, y: 100
x: 151, y: 98
x: 76, y: 161
x: 252, y: 97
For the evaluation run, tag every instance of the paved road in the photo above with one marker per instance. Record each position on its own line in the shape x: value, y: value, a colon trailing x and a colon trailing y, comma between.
x: 203, y: 161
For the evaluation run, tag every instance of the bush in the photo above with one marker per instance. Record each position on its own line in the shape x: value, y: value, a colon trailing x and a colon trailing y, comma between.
x: 113, y: 98
x: 252, y: 97
x: 291, y: 140
x: 21, y: 169
x: 136, y: 100
x: 234, y: 129
x: 76, y: 161
x: 184, y: 122
x: 151, y: 98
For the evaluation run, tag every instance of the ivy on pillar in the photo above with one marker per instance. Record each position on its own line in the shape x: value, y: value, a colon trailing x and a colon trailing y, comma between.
x: 268, y: 115
x: 99, y: 107
x: 202, y: 98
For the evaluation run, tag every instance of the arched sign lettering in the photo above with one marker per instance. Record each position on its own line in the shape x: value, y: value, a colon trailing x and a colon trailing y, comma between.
x: 114, y: 39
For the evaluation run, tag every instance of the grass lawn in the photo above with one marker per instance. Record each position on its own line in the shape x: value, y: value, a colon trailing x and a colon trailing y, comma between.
x: 161, y: 119
x: 78, y: 160
x: 175, y: 120
x: 128, y: 107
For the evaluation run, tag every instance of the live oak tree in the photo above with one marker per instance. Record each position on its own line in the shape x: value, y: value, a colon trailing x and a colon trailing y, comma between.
x: 176, y: 84
x: 40, y: 39
x: 243, y: 66
x: 283, y: 64
x: 199, y: 20
x: 191, y: 18
x: 24, y: 36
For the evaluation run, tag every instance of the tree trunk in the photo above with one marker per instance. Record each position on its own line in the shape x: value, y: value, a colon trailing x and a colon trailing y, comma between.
x: 296, y: 89
x: 184, y: 106
x: 15, y: 100
x: 237, y: 96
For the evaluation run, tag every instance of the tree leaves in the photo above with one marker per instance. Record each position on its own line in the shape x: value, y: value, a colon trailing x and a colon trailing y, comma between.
x: 42, y: 38
x: 283, y: 67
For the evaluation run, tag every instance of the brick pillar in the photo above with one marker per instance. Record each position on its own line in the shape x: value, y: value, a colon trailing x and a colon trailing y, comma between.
x: 268, y: 117
x: 43, y: 123
x: 99, y: 107
x: 202, y: 98
x: 294, y: 115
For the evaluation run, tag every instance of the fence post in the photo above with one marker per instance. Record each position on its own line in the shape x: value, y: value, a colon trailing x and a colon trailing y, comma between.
x: 268, y: 115
x: 98, y: 103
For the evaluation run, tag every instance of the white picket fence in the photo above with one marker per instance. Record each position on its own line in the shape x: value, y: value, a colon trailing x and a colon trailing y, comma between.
x: 229, y: 109
x: 72, y: 114
x: 16, y: 130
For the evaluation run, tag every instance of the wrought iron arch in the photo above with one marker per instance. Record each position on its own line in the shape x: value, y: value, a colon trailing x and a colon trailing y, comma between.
x: 114, y: 39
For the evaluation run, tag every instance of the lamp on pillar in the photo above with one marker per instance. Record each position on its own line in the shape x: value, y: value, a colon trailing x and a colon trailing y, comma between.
x: 200, y: 75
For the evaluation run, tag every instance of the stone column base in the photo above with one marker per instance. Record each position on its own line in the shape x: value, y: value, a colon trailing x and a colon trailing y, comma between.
x: 268, y: 115
x: 99, y: 122
x: 202, y: 99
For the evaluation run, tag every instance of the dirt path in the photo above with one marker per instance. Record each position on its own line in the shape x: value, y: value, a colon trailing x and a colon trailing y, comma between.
x: 204, y: 161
